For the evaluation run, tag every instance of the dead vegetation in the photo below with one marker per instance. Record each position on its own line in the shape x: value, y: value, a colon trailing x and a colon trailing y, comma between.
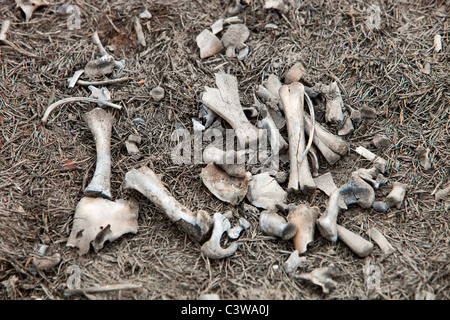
x: 44, y: 169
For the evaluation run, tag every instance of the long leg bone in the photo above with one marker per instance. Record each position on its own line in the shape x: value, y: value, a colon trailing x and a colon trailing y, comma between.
x: 100, y: 123
x: 292, y: 97
x: 212, y: 248
x: 197, y: 225
x: 304, y: 218
x: 355, y: 242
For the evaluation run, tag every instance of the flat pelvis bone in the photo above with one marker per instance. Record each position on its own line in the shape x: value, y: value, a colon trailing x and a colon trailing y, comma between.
x: 100, y: 123
x: 196, y: 225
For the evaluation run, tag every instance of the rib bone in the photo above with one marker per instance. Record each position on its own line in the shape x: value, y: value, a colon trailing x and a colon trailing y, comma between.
x: 100, y: 123
x: 197, y: 225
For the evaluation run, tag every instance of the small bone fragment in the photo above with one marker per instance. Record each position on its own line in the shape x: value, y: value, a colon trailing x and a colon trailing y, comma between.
x: 207, y: 115
x: 144, y: 180
x: 295, y: 73
x: 226, y: 160
x: 209, y: 296
x: 347, y: 127
x: 5, y: 26
x: 54, y: 105
x: 334, y: 104
x: 382, y: 242
x: 100, y: 123
x: 381, y: 142
x: 208, y: 44
x: 100, y: 67
x: 292, y: 97
x: 304, y: 218
x: 368, y: 112
x: 355, y: 242
x: 397, y: 194
x: 234, y: 39
x: 275, y: 225
x: 217, y: 26
x: 424, y: 160
x: 243, y: 53
x: 437, y: 43
x: 29, y: 6
x: 157, y: 93
x: 277, y: 141
x: 139, y: 33
x: 145, y: 14
x: 380, y: 206
x: 212, y: 248
x: 276, y: 4
x: 328, y: 220
x: 235, y: 232
x: 322, y: 277
x: 43, y: 262
x: 358, y: 191
x: 223, y: 186
x: 265, y: 192
x: 442, y: 194
x: 131, y: 144
x: 97, y: 220
x: 355, y: 115
x: 225, y: 102
x: 424, y: 295
x: 73, y: 80
x: 293, y: 262
x: 379, y: 162
x: 101, y: 94
x: 325, y: 183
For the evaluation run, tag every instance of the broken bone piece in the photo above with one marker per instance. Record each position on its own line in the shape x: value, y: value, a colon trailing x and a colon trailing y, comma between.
x: 145, y: 14
x: 100, y: 67
x: 334, y: 104
x: 379, y: 162
x: 293, y: 262
x: 437, y: 43
x: 44, y: 262
x: 212, y: 248
x: 265, y: 192
x: 73, y: 80
x: 144, y: 180
x: 5, y: 26
x: 423, y: 155
x: 208, y: 43
x: 157, y: 93
x: 358, y: 191
x: 442, y: 194
x: 380, y: 240
x: 131, y: 145
x: 98, y: 220
x: 276, y: 225
x: 100, y: 123
x: 235, y: 231
x: 355, y: 242
x: 225, y: 102
x: 139, y: 33
x: 279, y: 5
x: 380, y: 141
x: 29, y: 6
x: 234, y: 39
x: 223, y: 186
x: 295, y: 73
x: 322, y: 277
x: 229, y: 161
x: 325, y: 183
x: 397, y: 194
x: 380, y: 206
x: 101, y: 94
x: 328, y: 220
x: 304, y: 217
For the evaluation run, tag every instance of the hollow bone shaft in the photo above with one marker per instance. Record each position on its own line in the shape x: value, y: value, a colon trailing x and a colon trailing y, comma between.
x: 100, y: 123
x: 197, y: 225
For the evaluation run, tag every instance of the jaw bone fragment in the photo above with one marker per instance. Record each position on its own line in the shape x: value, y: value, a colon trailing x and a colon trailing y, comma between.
x: 229, y: 161
x: 395, y: 197
x: 334, y: 103
x: 265, y: 192
x: 293, y: 262
x: 322, y: 277
x: 208, y: 44
x: 29, y: 6
x: 275, y: 225
x: 100, y: 123
x: 355, y: 242
x: 304, y: 218
x: 97, y: 220
x: 382, y: 242
x: 292, y: 97
x: 197, y: 225
x: 223, y: 186
x: 234, y: 39
x: 225, y: 102
x: 212, y: 248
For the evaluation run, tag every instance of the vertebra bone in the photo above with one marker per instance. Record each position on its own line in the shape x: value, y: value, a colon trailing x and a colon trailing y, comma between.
x: 304, y: 218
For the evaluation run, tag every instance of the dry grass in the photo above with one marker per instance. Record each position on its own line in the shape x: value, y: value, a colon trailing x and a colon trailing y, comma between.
x: 380, y: 69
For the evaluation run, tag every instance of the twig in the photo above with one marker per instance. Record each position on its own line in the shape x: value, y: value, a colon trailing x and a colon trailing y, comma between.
x: 106, y: 288
x: 18, y: 49
x: 103, y: 82
x: 51, y: 107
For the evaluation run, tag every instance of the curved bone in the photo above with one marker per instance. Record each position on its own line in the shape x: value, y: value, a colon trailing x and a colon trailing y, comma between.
x: 212, y: 248
x: 304, y: 218
x: 395, y: 197
x: 197, y: 225
x: 275, y: 225
x: 328, y: 221
x: 355, y: 242
x: 292, y: 97
x: 100, y: 123
x: 322, y: 277
x: 225, y: 102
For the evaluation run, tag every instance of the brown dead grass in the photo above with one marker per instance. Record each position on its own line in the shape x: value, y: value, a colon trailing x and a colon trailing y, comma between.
x: 380, y: 69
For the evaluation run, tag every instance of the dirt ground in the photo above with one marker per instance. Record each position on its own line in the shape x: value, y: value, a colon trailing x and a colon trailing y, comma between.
x: 44, y: 169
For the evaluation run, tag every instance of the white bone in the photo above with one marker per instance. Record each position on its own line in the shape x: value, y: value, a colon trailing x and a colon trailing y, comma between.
x: 334, y: 104
x: 304, y: 218
x: 139, y: 33
x: 358, y: 191
x: 157, y: 93
x: 212, y: 248
x: 29, y: 6
x: 293, y: 262
x: 423, y: 155
x: 322, y: 277
x: 144, y: 180
x: 100, y: 123
x: 325, y: 183
x: 276, y: 4
x: 355, y: 242
x: 382, y: 242
x: 395, y: 197
x: 101, y: 94
x: 5, y: 26
x: 275, y: 225
x: 437, y: 43
x: 379, y: 162
x: 328, y: 221
x: 73, y: 80
x: 235, y: 232
x: 208, y: 44
x: 230, y: 161
x: 265, y: 192
x: 234, y: 38
x: 295, y: 73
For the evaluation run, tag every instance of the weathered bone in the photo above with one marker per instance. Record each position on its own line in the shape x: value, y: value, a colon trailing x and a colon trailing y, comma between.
x: 139, y: 33
x: 265, y: 192
x: 212, y: 248
x: 234, y: 39
x: 379, y: 162
x: 382, y: 242
x: 295, y: 73
x: 358, y: 191
x: 276, y: 139
x: 328, y: 221
x: 304, y: 218
x: 380, y: 141
x: 97, y: 220
x: 334, y: 103
x: 229, y: 161
x: 314, y: 162
x: 100, y: 123
x: 225, y: 102
x: 197, y: 225
x: 235, y: 231
x: 322, y: 277
x: 423, y: 155
x: 275, y: 225
x: 293, y: 262
x: 208, y: 44
x: 292, y: 97
x: 398, y: 192
x: 29, y: 6
x: 355, y: 242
